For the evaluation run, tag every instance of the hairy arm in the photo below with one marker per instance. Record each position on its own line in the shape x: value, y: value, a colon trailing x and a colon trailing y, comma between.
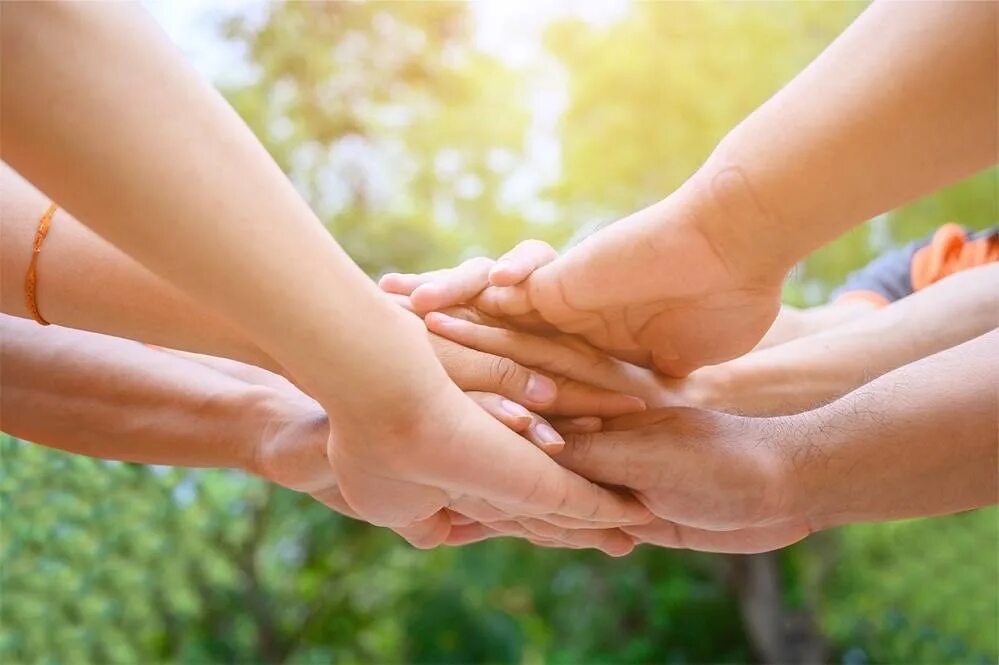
x: 921, y: 440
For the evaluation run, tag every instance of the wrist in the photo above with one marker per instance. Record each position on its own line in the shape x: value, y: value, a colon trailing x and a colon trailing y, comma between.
x: 806, y: 440
x: 737, y: 220
x: 385, y: 375
x: 284, y: 440
x: 708, y: 387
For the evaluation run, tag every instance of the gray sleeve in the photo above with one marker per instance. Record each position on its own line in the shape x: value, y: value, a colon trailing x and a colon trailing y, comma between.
x: 889, y: 275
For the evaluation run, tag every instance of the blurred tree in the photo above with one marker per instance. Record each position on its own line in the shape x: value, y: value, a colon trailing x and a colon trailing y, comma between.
x: 393, y: 126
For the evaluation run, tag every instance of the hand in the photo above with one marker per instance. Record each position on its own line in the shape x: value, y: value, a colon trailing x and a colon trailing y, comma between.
x: 715, y: 482
x: 546, y: 392
x: 665, y: 287
x: 442, y: 292
x: 402, y: 466
x: 291, y: 452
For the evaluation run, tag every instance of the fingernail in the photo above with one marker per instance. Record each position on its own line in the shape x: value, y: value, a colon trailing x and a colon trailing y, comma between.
x: 514, y: 409
x: 547, y: 434
x: 541, y: 389
x: 637, y: 403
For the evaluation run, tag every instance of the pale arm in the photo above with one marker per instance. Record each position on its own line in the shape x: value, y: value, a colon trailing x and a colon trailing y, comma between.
x: 116, y: 128
x: 793, y: 322
x: 85, y: 282
x: 813, y: 370
x: 902, y: 103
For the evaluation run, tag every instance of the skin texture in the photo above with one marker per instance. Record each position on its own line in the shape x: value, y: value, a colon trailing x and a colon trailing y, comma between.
x: 112, y: 398
x: 87, y: 283
x: 729, y: 483
x: 895, y: 108
x: 788, y: 378
x: 793, y: 322
x: 244, y: 244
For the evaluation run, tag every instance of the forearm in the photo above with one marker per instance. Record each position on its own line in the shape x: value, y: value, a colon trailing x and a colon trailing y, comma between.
x: 116, y: 399
x: 919, y: 441
x: 902, y: 103
x: 223, y: 223
x: 85, y: 282
x: 792, y: 323
x: 806, y: 372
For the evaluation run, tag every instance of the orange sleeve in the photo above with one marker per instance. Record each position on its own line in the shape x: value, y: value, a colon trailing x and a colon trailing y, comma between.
x: 949, y: 252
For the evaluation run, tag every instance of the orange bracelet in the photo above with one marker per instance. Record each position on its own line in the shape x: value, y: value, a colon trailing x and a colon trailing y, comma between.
x: 31, y: 278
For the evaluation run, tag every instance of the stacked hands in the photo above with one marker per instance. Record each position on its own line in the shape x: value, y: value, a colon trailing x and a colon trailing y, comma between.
x: 632, y: 390
x: 678, y: 477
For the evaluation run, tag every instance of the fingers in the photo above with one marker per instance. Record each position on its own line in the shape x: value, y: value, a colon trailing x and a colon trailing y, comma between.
x: 331, y: 498
x: 612, y: 542
x: 544, y: 436
x: 509, y: 413
x: 466, y: 534
x: 574, y: 398
x: 428, y: 533
x: 532, y: 427
x: 602, y: 457
x: 563, y: 355
x: 751, y: 540
x: 581, y: 425
x: 452, y: 287
x: 424, y: 534
x: 478, y: 532
x: 485, y: 460
x: 403, y: 284
x: 402, y: 301
x: 506, y: 301
x: 516, y: 265
x: 477, y: 371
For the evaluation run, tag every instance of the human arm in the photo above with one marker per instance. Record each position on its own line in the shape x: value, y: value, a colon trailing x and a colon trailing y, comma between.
x: 795, y: 322
x: 788, y: 378
x: 116, y: 399
x: 918, y: 441
x: 903, y: 102
x: 812, y: 370
x: 85, y: 282
x: 225, y: 226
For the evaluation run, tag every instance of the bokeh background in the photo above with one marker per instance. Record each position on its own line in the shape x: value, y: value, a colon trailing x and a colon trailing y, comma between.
x: 423, y: 133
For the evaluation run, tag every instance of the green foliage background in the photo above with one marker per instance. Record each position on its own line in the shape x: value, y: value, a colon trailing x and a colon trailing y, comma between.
x: 414, y: 146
